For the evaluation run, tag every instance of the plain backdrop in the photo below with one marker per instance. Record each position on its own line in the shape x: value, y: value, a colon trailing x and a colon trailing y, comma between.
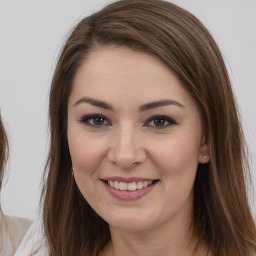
x: 31, y: 35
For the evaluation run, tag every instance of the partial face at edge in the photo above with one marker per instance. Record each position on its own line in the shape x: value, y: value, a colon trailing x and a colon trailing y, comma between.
x: 131, y: 123
x: 3, y: 147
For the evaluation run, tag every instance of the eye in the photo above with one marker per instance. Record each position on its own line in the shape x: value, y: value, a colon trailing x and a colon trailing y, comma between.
x: 95, y: 120
x: 160, y: 122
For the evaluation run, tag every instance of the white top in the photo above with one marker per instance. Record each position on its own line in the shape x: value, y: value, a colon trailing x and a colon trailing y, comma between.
x: 12, y: 231
x: 33, y: 242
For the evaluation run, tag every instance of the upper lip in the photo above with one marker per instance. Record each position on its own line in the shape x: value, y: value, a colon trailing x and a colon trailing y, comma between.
x: 127, y: 180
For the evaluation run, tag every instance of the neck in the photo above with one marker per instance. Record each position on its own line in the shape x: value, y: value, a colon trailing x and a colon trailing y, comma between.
x: 148, y: 244
x: 171, y: 238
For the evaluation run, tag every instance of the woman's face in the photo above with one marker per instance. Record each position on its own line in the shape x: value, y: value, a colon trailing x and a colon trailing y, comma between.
x: 135, y: 139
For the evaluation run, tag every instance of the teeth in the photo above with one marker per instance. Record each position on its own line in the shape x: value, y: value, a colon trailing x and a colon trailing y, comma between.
x: 131, y: 186
x: 116, y: 185
x: 122, y: 185
x: 140, y: 184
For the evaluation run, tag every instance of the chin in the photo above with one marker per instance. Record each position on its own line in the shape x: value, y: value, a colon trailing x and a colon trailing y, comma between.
x: 130, y: 226
x: 130, y: 222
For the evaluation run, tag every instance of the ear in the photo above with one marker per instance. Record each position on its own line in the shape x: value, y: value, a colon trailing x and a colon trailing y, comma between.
x: 203, y: 154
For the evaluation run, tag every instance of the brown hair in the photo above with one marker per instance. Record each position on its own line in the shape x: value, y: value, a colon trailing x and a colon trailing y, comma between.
x: 221, y: 215
x: 3, y: 159
x: 3, y: 152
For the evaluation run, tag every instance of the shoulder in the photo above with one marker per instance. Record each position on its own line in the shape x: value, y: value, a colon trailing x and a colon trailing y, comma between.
x: 13, y: 230
x: 20, y: 225
x: 33, y: 242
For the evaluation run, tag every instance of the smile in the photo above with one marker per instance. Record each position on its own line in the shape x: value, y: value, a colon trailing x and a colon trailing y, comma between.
x: 130, y: 186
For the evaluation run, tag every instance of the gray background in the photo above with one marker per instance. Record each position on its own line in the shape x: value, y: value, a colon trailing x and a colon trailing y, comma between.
x: 31, y: 34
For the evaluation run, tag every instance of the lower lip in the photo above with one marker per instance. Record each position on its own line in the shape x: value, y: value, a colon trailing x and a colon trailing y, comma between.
x: 129, y: 195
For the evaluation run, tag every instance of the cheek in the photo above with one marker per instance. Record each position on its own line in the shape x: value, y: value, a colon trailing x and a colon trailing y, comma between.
x: 176, y: 157
x: 86, y: 152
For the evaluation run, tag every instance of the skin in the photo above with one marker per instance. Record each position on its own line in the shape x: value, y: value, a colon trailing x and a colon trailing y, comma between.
x: 129, y: 142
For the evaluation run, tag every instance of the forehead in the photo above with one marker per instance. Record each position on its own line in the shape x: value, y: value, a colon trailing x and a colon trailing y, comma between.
x: 122, y: 73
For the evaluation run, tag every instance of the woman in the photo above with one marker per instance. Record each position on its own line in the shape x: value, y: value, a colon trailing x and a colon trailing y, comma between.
x: 12, y: 229
x: 147, y: 153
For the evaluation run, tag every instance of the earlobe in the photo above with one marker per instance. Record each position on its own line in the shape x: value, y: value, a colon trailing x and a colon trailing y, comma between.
x: 204, y: 157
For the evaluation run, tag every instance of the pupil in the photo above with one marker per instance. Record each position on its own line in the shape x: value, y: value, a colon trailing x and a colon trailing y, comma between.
x: 98, y: 120
x: 159, y: 122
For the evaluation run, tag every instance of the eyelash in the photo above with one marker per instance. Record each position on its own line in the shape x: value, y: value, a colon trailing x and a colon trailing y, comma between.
x: 86, y: 120
x: 167, y: 119
x: 91, y: 118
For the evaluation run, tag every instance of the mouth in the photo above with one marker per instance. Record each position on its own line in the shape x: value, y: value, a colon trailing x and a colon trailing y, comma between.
x: 129, y: 186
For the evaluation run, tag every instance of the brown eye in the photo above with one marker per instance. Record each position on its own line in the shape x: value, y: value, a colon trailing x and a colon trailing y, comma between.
x: 98, y: 121
x: 160, y: 122
x: 95, y: 120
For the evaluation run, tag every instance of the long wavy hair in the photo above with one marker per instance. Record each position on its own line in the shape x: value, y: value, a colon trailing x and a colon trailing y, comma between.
x: 221, y: 214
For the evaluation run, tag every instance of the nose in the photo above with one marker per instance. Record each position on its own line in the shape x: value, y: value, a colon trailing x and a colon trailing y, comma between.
x: 127, y: 149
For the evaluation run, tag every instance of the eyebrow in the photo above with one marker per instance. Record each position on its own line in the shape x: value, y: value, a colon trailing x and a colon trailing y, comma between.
x: 144, y: 107
x: 94, y: 102
x: 160, y: 103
